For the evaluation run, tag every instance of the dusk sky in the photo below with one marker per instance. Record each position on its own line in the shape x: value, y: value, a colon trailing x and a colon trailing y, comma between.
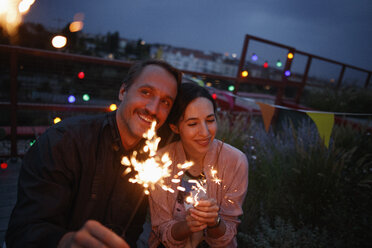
x: 337, y: 29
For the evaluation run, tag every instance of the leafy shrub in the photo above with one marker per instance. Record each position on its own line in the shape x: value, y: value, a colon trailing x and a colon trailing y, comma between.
x: 298, y: 186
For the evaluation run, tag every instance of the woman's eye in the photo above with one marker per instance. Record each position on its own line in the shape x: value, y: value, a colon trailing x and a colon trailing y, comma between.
x: 211, y: 120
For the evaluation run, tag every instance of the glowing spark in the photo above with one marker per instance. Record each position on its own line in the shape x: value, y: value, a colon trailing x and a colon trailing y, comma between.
x: 153, y: 170
x: 181, y: 188
x: 185, y: 165
x: 175, y: 180
x: 215, y: 179
x: 127, y: 171
x: 189, y: 199
x: 125, y: 161
x: 230, y: 201
x: 199, y: 191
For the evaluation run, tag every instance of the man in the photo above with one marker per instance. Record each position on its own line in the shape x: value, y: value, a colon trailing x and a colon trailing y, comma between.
x: 71, y: 191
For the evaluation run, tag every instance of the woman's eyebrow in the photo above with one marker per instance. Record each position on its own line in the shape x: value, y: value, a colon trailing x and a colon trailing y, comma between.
x: 194, y: 118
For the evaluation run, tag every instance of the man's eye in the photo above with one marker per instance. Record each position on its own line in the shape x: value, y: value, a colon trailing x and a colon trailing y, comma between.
x: 191, y: 124
x: 145, y: 92
x: 166, y: 102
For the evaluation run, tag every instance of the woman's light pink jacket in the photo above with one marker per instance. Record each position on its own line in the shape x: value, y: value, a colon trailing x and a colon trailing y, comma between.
x: 232, y: 169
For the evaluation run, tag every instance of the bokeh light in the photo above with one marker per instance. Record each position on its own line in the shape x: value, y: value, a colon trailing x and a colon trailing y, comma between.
x: 86, y: 97
x: 214, y: 96
x: 4, y: 165
x: 71, y: 99
x: 76, y: 26
x: 11, y: 12
x: 290, y: 56
x: 56, y: 120
x: 113, y: 107
x: 266, y: 64
x: 254, y: 57
x: 287, y: 73
x: 81, y: 75
x: 59, y: 41
x: 24, y: 6
x: 231, y: 88
x: 279, y: 63
x: 244, y: 73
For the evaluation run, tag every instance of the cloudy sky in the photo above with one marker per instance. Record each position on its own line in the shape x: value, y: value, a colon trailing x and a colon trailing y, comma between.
x: 337, y: 29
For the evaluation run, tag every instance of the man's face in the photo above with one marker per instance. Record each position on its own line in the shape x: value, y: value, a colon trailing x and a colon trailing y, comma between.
x: 149, y: 98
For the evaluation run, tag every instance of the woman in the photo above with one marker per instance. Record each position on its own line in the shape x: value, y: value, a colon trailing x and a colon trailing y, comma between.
x: 212, y: 216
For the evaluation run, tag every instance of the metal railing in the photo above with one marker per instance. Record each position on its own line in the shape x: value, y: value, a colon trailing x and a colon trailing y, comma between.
x: 285, y: 81
x: 16, y: 54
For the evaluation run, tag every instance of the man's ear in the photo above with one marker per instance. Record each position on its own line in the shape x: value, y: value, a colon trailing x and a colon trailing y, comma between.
x: 122, y: 91
x: 174, y: 128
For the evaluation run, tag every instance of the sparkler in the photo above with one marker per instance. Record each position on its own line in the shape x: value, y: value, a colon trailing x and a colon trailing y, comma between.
x: 151, y: 171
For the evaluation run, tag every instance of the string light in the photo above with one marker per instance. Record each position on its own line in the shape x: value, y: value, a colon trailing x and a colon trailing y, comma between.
x: 254, y: 57
x: 244, y: 73
x: 279, y: 63
x: 81, y: 75
x: 56, y: 120
x: 113, y: 107
x: 59, y: 41
x: 71, y: 99
x: 86, y: 97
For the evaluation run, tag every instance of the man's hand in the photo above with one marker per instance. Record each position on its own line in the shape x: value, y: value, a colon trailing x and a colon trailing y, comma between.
x: 205, y: 212
x: 92, y: 234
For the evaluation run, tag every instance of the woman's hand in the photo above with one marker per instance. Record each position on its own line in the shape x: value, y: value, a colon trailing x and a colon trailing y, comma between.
x: 193, y: 224
x: 205, y: 212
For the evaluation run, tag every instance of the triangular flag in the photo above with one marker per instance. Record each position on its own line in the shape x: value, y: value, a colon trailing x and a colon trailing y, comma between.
x: 267, y: 114
x: 324, y: 122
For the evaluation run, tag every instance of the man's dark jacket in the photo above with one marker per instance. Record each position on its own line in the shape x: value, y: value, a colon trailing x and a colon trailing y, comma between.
x: 70, y: 175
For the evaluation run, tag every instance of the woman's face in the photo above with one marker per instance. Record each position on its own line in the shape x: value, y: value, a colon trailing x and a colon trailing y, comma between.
x: 198, y: 127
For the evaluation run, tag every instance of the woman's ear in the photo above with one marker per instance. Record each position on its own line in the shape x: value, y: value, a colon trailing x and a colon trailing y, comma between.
x: 174, y: 128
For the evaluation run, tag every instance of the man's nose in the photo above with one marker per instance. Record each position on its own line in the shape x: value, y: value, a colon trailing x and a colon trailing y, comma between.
x: 152, y: 106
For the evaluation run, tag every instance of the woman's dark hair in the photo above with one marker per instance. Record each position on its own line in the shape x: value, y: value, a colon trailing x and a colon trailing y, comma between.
x: 136, y: 69
x: 187, y: 92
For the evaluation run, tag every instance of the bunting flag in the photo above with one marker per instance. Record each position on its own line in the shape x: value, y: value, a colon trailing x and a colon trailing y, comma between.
x: 267, y: 114
x: 324, y: 123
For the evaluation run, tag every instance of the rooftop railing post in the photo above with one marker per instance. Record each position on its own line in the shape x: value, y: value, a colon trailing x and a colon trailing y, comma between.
x: 14, y: 103
x: 304, y: 80
x: 367, y: 80
x: 340, y: 77
x: 287, y: 67
x: 241, y: 63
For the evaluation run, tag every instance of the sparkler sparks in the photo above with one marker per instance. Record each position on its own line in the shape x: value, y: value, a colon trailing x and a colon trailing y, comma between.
x: 152, y: 171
